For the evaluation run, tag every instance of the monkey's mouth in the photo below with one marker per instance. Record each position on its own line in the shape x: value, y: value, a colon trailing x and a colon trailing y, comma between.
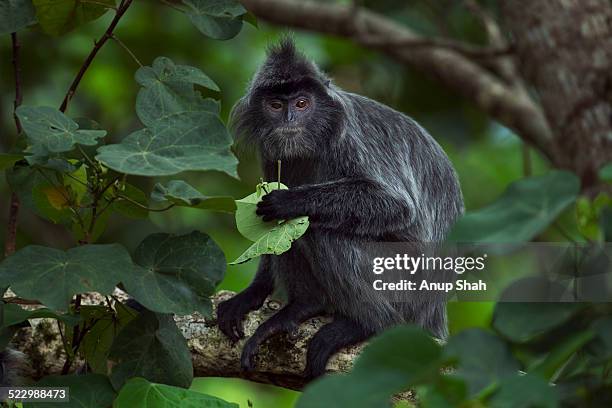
x: 289, y: 130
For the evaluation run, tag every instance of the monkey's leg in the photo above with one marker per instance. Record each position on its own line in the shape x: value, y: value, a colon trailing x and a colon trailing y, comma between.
x: 342, y: 332
x: 231, y: 312
x: 285, y: 320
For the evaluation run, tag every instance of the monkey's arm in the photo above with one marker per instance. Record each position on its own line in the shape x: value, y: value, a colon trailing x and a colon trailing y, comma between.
x: 232, y: 312
x: 359, y: 205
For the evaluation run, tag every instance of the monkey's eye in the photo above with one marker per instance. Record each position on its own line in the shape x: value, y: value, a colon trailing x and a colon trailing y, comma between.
x: 302, y: 103
x: 276, y: 105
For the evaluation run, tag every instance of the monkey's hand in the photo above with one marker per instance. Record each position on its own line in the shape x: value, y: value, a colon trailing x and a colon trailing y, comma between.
x: 232, y: 312
x: 281, y: 205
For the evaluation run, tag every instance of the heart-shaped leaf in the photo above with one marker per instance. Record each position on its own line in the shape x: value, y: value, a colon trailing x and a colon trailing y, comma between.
x: 151, y: 346
x: 50, y: 131
x: 53, y: 276
x: 492, y: 362
x: 173, y: 144
x: 178, y: 274
x: 167, y: 89
x: 526, y: 208
x: 220, y: 19
x: 15, y: 15
x: 15, y: 314
x: 183, y: 194
x: 140, y: 393
x: 58, y: 17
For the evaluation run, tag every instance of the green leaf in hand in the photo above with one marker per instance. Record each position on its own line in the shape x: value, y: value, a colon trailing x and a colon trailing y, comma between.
x: 269, y: 237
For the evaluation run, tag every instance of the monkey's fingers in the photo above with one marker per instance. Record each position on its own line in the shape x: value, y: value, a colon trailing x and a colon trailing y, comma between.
x: 229, y: 320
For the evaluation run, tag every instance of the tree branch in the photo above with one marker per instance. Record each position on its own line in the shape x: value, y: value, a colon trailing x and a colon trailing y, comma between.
x: 280, y: 362
x: 125, y: 4
x: 509, y: 106
x: 11, y: 227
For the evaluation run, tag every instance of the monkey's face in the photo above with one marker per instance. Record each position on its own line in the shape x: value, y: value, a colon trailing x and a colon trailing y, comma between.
x: 294, y: 122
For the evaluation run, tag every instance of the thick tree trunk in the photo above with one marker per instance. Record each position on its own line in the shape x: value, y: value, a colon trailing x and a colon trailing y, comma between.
x: 565, y: 52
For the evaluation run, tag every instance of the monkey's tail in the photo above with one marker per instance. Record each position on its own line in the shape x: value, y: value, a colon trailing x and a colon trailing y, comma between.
x: 15, y: 369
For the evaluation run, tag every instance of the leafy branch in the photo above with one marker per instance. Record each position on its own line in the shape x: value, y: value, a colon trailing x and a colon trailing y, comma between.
x: 123, y: 6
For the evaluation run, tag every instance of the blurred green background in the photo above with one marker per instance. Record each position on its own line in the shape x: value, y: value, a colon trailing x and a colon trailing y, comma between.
x: 486, y: 155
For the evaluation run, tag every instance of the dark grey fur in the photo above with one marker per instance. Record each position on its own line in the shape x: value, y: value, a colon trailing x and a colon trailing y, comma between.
x: 362, y: 172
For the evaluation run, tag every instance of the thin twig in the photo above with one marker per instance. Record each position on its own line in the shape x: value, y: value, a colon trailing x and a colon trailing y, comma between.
x: 127, y: 49
x: 125, y: 4
x: 108, y: 6
x: 10, y: 244
x: 144, y: 207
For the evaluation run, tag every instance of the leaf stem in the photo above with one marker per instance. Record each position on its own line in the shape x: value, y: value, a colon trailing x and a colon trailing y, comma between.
x: 144, y: 207
x: 125, y: 4
x: 278, y: 169
x: 108, y: 6
x: 86, y: 157
x: 127, y: 49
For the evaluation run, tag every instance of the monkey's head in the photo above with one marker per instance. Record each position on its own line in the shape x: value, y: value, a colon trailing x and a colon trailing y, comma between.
x: 289, y: 111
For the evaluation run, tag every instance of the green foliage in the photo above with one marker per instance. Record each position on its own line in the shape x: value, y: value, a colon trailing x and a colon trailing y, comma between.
x: 183, y: 129
x: 8, y: 160
x: 140, y: 393
x: 522, y: 322
x: 525, y: 209
x: 15, y: 15
x: 15, y: 314
x: 182, y: 194
x: 173, y: 144
x: 50, y: 131
x: 400, y: 357
x: 490, y: 364
x: 271, y: 237
x: 168, y: 89
x: 481, y: 368
x: 57, y: 17
x: 101, y: 327
x: 54, y: 276
x: 178, y: 274
x: 151, y: 346
x: 525, y: 392
x: 85, y: 390
x: 73, y: 177
x: 216, y: 19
